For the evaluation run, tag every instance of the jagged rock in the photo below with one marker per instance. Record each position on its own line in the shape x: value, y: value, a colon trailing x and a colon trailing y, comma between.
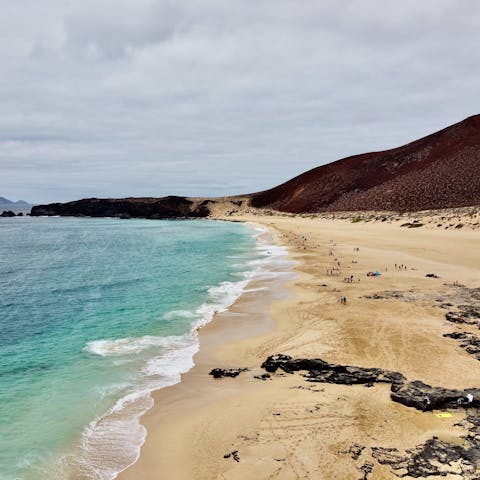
x: 467, y: 314
x: 289, y: 365
x: 421, y: 396
x: 412, y: 225
x: 414, y: 394
x: 264, y: 376
x: 348, y: 375
x: 356, y: 450
x: 233, y: 454
x: 321, y: 371
x: 468, y: 341
x: 226, y: 372
x: 366, y: 469
x: 433, y: 458
x: 7, y: 213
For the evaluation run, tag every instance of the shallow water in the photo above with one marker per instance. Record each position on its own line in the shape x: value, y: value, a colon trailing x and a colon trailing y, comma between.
x: 94, y: 315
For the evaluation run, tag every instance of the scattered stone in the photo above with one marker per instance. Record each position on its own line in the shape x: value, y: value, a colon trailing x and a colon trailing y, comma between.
x: 414, y: 224
x: 389, y: 294
x: 366, y: 469
x: 264, y: 376
x: 466, y: 314
x: 227, y: 372
x: 468, y: 341
x: 355, y: 451
x: 233, y: 454
x: 310, y: 388
x: 435, y: 458
x: 432, y: 275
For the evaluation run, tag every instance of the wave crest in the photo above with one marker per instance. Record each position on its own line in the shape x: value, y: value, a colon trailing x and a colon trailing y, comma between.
x: 127, y: 346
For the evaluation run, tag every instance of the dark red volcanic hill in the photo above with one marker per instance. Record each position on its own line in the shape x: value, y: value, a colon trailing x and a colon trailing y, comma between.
x: 441, y: 170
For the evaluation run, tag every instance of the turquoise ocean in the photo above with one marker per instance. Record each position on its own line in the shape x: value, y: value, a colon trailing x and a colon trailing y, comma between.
x: 95, y: 314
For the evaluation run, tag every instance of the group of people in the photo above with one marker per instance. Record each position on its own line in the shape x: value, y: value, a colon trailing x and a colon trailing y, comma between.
x: 333, y: 272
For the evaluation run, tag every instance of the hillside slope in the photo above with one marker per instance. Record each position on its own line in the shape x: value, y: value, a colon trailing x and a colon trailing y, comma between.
x: 441, y: 170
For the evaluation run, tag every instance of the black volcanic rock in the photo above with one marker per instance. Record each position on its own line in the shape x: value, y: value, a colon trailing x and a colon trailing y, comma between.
x: 321, y: 371
x: 414, y: 394
x: 154, y: 208
x: 421, y: 396
x: 437, y: 171
x: 7, y: 213
x: 468, y: 341
x: 227, y: 372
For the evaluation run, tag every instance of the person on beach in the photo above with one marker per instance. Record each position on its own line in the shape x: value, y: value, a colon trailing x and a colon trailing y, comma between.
x: 426, y: 402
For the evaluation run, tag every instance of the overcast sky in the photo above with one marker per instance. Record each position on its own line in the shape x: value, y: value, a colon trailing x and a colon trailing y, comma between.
x: 214, y: 97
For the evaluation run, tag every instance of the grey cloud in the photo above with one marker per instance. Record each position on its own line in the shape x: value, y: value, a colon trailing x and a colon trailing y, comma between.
x: 200, y: 97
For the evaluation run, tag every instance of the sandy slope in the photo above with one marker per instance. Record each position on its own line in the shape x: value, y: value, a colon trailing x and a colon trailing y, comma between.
x: 287, y: 428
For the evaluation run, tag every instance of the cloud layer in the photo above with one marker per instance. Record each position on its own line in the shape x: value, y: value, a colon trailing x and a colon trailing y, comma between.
x: 210, y: 97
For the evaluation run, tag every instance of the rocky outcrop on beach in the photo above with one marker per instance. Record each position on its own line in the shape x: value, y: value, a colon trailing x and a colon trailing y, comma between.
x: 468, y: 341
x: 434, y: 457
x: 227, y: 372
x: 434, y: 172
x: 154, y: 208
x: 414, y: 394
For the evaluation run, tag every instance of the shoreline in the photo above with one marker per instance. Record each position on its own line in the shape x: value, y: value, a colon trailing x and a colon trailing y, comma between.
x: 231, y: 324
x: 196, y: 422
x: 247, y: 317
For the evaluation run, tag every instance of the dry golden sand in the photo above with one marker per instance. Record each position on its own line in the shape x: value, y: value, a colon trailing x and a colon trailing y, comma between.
x: 286, y: 428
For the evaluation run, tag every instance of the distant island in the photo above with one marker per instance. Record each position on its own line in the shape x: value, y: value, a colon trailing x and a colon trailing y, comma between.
x: 435, y: 172
x: 10, y: 208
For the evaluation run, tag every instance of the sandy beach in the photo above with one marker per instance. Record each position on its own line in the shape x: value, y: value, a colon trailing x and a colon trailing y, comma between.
x: 287, y: 428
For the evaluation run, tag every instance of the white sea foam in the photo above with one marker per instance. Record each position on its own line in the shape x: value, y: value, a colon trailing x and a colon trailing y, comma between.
x: 127, y: 346
x: 112, y: 442
x: 172, y: 315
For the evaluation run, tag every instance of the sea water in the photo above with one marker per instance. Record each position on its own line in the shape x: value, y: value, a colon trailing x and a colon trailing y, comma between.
x: 95, y: 314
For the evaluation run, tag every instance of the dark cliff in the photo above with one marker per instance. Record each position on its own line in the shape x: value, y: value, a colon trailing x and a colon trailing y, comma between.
x: 166, y: 207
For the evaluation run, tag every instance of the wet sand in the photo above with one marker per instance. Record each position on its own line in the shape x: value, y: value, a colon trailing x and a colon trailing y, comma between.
x: 287, y: 428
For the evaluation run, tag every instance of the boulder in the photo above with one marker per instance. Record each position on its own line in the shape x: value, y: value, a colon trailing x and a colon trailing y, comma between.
x: 7, y: 213
x: 226, y: 372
